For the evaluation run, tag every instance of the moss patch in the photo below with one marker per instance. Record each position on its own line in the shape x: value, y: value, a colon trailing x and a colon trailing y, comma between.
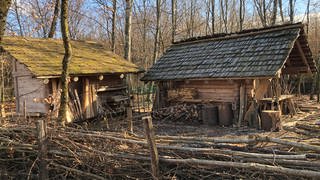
x: 44, y: 57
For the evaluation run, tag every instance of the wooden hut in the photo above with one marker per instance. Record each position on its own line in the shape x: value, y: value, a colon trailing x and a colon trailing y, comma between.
x: 243, y: 73
x: 97, y: 76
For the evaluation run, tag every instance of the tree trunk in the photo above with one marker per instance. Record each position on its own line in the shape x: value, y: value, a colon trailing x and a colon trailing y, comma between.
x: 65, y: 62
x: 308, y: 16
x: 54, y: 19
x: 261, y: 10
x: 113, y: 32
x: 192, y: 4
x: 144, y: 35
x: 4, y: 8
x: 212, y: 15
x: 241, y: 14
x: 127, y: 43
x: 173, y: 19
x: 291, y: 9
x: 274, y: 12
x: 157, y: 36
x: 281, y: 10
x: 224, y: 14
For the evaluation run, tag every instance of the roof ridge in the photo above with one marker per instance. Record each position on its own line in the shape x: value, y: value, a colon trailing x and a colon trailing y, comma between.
x: 246, y: 32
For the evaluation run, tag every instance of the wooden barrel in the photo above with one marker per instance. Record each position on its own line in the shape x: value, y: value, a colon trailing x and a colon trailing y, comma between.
x: 210, y: 115
x: 225, y: 114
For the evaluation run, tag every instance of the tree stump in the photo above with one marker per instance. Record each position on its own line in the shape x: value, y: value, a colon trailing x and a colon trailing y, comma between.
x: 271, y: 120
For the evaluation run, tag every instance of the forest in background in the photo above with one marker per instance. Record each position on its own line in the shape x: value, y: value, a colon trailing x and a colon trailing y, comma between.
x: 156, y: 24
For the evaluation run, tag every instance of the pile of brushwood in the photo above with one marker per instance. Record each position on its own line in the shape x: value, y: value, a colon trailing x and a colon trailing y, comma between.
x: 77, y: 153
x: 181, y: 113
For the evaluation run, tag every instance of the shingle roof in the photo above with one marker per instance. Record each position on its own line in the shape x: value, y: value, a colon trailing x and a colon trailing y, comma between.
x: 43, y: 57
x: 257, y: 53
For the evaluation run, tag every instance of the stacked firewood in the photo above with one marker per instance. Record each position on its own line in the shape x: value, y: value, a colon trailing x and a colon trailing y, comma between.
x: 182, y: 93
x: 77, y: 153
x: 179, y: 113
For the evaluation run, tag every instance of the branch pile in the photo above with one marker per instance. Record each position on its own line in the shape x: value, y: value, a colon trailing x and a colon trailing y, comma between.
x: 79, y: 153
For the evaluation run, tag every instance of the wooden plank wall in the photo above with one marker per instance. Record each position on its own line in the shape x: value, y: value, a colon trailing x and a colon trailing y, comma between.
x: 109, y: 80
x: 27, y: 88
x: 218, y: 90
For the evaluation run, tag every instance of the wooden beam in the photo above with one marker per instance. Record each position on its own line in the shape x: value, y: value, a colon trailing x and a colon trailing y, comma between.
x: 85, y: 99
x: 303, y: 57
x: 293, y: 70
x: 242, y: 101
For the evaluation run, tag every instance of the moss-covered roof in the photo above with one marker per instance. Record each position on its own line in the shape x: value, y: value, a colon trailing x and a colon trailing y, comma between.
x: 43, y: 57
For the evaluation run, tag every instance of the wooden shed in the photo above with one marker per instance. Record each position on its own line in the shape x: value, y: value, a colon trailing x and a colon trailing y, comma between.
x: 241, y: 73
x: 97, y: 76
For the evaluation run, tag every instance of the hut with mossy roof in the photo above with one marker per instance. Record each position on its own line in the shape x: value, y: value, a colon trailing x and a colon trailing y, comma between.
x: 243, y: 73
x: 97, y: 76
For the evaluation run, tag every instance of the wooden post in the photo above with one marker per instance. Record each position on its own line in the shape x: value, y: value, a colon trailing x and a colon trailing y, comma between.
x: 143, y: 96
x: 42, y: 149
x: 152, y: 146
x: 129, y: 108
x: 242, y: 101
x: 138, y: 96
x: 129, y: 118
x: 85, y: 104
x: 25, y: 109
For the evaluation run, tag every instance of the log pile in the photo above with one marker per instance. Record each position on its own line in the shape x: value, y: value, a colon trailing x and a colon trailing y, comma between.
x: 183, y: 93
x: 181, y: 113
x: 76, y: 153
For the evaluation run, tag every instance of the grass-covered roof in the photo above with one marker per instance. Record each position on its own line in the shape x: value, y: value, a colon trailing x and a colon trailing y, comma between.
x: 43, y: 57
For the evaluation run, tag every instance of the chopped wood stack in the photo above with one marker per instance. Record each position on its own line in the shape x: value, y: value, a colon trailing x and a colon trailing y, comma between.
x: 75, y: 153
x: 182, y: 93
x: 180, y: 113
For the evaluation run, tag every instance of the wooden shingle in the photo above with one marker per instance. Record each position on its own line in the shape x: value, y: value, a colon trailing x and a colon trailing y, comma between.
x: 257, y: 53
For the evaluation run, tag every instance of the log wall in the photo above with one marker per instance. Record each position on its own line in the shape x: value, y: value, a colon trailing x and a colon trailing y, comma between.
x: 217, y: 90
x: 27, y: 89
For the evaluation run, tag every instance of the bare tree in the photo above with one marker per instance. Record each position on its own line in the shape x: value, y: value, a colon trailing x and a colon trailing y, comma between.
x: 144, y: 34
x: 308, y: 16
x: 212, y: 15
x: 274, y: 12
x: 262, y: 11
x: 54, y: 19
x: 127, y: 41
x: 65, y: 62
x: 157, y: 35
x: 291, y: 10
x: 4, y: 8
x: 241, y: 14
x: 281, y: 10
x: 17, y: 14
x: 224, y: 13
x: 113, y: 32
x: 173, y: 18
x: 42, y: 18
x: 76, y: 18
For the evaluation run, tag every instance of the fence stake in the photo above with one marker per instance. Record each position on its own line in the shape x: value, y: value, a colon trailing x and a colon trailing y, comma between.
x: 42, y: 149
x: 152, y: 146
x: 25, y: 109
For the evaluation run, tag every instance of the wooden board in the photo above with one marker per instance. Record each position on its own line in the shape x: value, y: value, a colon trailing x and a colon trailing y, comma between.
x: 28, y: 89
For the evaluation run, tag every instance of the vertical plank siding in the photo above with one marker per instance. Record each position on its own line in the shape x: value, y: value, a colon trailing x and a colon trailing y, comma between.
x: 28, y: 88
